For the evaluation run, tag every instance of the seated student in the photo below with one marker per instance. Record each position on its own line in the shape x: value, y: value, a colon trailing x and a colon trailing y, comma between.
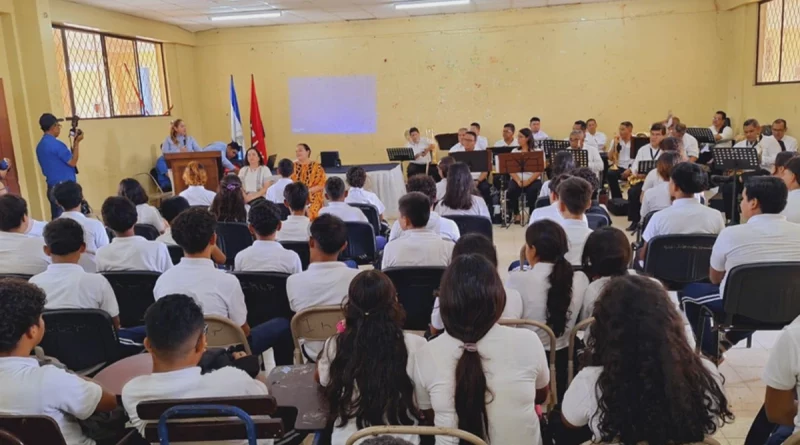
x: 663, y: 393
x: 356, y: 178
x: 29, y: 389
x: 444, y: 168
x: 653, y: 177
x: 446, y: 228
x: 766, y: 237
x: 128, y: 251
x: 551, y: 292
x: 275, y: 191
x: 217, y: 292
x: 266, y: 254
x: 229, y: 204
x: 791, y: 177
x: 551, y: 211
x: 419, y: 246
x: 327, y: 279
x: 479, y: 244
x: 606, y: 254
x: 587, y: 174
x: 375, y: 353
x: 649, y: 152
x: 295, y: 228
x: 781, y: 377
x: 171, y: 208
x: 195, y: 177
x: 477, y: 359
x: 574, y: 199
x: 658, y: 196
x: 69, y: 195
x: 460, y: 198
x: 336, y: 194
x: 147, y: 214
x: 562, y: 163
x: 19, y: 253
x: 781, y: 159
x: 176, y: 340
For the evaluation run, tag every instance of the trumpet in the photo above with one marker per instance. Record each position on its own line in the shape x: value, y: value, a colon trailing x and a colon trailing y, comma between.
x: 613, y: 153
x: 434, y: 153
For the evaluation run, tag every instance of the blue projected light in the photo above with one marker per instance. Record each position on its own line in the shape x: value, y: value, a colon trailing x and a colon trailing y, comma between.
x: 333, y: 105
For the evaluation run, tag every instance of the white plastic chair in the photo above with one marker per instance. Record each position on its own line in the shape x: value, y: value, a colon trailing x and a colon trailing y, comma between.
x: 553, y: 396
x: 573, y: 335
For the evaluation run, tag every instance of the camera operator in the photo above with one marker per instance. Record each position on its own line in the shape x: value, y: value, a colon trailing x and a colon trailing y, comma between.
x: 57, y: 161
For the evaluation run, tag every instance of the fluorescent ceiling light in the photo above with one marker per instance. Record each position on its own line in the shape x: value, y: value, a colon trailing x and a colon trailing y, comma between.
x: 435, y: 4
x: 258, y: 15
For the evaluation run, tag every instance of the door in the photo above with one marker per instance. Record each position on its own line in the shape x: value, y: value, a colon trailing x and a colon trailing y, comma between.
x: 6, y: 144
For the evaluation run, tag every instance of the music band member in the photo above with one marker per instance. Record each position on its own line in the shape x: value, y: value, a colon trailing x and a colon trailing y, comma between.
x: 752, y: 139
x: 649, y: 152
x: 508, y: 137
x: 723, y: 135
x: 620, y: 158
x: 468, y: 143
x: 536, y: 129
x: 593, y: 137
x: 423, y: 147
x: 528, y: 183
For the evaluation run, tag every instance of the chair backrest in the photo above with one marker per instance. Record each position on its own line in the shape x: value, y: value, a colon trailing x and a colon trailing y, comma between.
x: 361, y: 246
x: 265, y: 296
x: 314, y: 324
x: 573, y: 335
x: 542, y: 201
x: 18, y: 276
x: 553, y: 396
x: 597, y: 221
x: 146, y: 231
x: 232, y: 238
x: 418, y: 430
x: 764, y: 292
x: 82, y: 339
x: 473, y: 224
x: 31, y: 430
x: 222, y: 333
x: 301, y: 249
x: 678, y: 260
x: 210, y: 419
x: 134, y: 292
x: 417, y: 288
x: 175, y: 253
x: 371, y: 212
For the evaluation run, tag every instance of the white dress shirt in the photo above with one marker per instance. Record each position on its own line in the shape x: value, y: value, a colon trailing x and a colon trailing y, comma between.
x: 655, y: 198
x: 783, y: 366
x: 652, y: 179
x: 691, y: 146
x: 94, y: 232
x: 36, y: 228
x: 771, y: 147
x: 481, y: 143
x: 540, y: 136
x: 577, y: 232
x: 597, y: 140
x: 550, y: 212
x: 441, y: 188
x: 684, y: 216
x: 275, y: 191
x: 148, y: 214
x: 545, y: 191
x: 418, y: 148
x: 512, y: 311
x: 197, y: 195
x: 447, y: 229
x: 624, y: 160
x: 595, y: 160
x: 478, y: 209
x: 646, y: 153
x: 295, y: 228
x: 503, y: 143
x: 727, y: 136
x: 22, y: 254
x: 759, y: 149
x: 792, y: 210
x: 68, y: 286
x: 267, y: 256
x: 215, y: 291
x: 167, y: 238
x: 133, y: 253
x: 344, y: 211
x: 417, y: 248
x: 360, y: 196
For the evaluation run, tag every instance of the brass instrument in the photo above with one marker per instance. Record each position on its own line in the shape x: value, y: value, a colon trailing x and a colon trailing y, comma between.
x: 613, y: 153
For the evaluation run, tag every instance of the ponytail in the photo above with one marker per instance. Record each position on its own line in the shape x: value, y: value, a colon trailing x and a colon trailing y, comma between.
x: 470, y: 393
x: 559, y: 296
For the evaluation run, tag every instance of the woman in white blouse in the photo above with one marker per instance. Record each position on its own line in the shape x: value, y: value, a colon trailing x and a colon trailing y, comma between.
x: 255, y: 176
x: 528, y: 183
x: 460, y: 197
x: 147, y: 214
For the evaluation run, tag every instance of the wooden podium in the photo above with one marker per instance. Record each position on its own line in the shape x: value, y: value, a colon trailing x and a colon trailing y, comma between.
x: 211, y: 160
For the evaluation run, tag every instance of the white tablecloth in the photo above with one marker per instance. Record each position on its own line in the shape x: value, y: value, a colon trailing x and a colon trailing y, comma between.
x: 388, y: 185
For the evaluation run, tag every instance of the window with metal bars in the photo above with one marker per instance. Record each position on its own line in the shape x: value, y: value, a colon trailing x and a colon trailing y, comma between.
x: 778, y: 42
x: 106, y: 76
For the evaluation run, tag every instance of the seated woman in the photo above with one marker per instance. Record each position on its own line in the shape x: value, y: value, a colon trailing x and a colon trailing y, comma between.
x: 313, y: 176
x: 528, y: 183
x: 606, y: 254
x: 255, y: 175
x: 658, y: 197
x: 477, y: 360
x: 643, y: 382
x: 365, y: 370
x: 461, y: 196
x: 781, y: 159
x: 195, y: 177
x: 131, y: 189
x: 229, y: 204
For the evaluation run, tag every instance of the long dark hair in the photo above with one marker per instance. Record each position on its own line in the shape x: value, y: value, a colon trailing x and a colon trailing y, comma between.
x: 551, y: 244
x: 228, y: 205
x: 460, y: 187
x: 471, y: 298
x: 607, y: 253
x: 371, y: 358
x: 653, y: 388
x: 131, y: 189
x: 529, y: 136
x: 260, y: 158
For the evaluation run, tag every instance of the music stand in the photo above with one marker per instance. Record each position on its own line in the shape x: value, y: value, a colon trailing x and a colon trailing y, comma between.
x: 581, y: 157
x: 446, y: 141
x: 645, y: 166
x: 522, y: 162
x: 736, y: 159
x: 553, y: 146
x: 478, y: 161
x: 400, y: 154
x: 637, y: 143
x: 702, y: 134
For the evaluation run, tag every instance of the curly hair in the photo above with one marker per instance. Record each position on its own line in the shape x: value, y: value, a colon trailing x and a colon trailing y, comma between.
x: 653, y: 388
x: 21, y: 304
x: 195, y: 174
x: 229, y: 205
x: 368, y: 378
x: 356, y: 176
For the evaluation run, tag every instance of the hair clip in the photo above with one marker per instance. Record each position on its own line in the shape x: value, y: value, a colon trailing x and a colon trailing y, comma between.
x: 232, y: 187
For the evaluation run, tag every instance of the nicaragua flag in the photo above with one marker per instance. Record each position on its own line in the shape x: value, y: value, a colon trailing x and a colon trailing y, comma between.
x: 236, y: 119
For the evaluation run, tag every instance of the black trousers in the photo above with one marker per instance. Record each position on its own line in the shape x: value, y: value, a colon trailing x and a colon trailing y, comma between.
x: 515, y: 191
x: 486, y: 192
x: 613, y: 177
x: 635, y: 202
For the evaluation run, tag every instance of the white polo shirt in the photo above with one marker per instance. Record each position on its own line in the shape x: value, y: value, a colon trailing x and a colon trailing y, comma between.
x: 68, y: 286
x: 792, y: 210
x: 417, y: 248
x: 577, y: 232
x: 94, y: 232
x: 133, y: 253
x: 441, y: 188
x: 550, y: 212
x: 545, y: 191
x: 765, y: 238
x: 446, y: 228
x: 22, y: 254
x: 540, y: 136
x: 783, y: 366
x: 503, y: 143
x: 217, y: 292
x: 150, y: 215
x: 771, y: 147
x: 360, y: 196
x: 187, y: 383
x: 646, y: 153
x: 418, y: 148
x: 275, y: 191
x: 727, y: 136
x: 624, y: 159
x: 478, y: 209
x: 197, y: 195
x: 295, y: 228
x: 690, y: 145
x: 595, y: 160
x: 36, y: 228
x: 652, y: 179
x: 685, y: 216
x: 533, y: 285
x: 656, y: 198
x: 597, y: 140
x: 267, y: 256
x: 344, y: 211
x: 515, y: 366
x: 512, y: 311
x: 167, y: 238
x: 481, y: 143
x: 27, y: 389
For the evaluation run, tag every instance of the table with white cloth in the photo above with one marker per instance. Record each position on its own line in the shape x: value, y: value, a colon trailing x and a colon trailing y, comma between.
x: 385, y: 180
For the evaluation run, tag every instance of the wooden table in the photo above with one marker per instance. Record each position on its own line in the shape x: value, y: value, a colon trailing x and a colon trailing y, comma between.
x: 295, y: 386
x: 118, y: 374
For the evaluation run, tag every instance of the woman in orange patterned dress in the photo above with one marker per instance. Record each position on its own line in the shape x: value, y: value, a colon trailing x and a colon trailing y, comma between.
x: 313, y: 176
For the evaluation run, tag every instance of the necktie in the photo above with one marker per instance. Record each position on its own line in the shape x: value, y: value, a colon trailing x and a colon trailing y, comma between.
x: 783, y: 145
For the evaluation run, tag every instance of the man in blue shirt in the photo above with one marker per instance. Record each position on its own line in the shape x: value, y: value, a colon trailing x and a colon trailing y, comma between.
x: 229, y: 153
x: 58, y: 162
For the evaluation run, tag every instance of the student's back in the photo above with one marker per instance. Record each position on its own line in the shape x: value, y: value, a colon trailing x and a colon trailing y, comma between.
x: 266, y: 254
x: 19, y: 253
x: 295, y: 228
x: 131, y: 188
x: 276, y: 190
x: 575, y: 197
x: 128, y: 252
x: 446, y: 228
x: 70, y: 196
x: 419, y: 247
x: 171, y: 208
x: 357, y: 178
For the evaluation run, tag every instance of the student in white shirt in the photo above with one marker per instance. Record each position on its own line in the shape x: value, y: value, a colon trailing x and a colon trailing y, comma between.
x: 621, y: 145
x: 441, y: 186
x: 327, y: 280
x: 446, y: 228
x: 649, y: 152
x: 176, y: 340
x: 552, y: 211
x: 422, y: 152
x: 536, y: 129
x: 607, y: 254
x: 528, y: 183
x: 419, y: 246
x: 504, y: 365
x: 481, y: 143
x: 372, y: 353
x: 459, y: 198
x: 69, y: 195
x: 752, y: 133
x: 19, y: 253
x: 508, y: 140
x: 356, y: 178
x: 596, y: 208
x: 481, y: 178
x: 662, y: 393
x: 653, y: 177
x: 459, y: 146
x: 229, y: 204
x: 690, y: 145
x: 551, y: 292
x: 336, y: 194
x: 295, y: 228
x: 217, y: 292
x: 656, y: 196
x: 778, y: 142
x: 128, y: 251
x: 147, y: 214
x: 781, y: 375
x: 170, y: 209
x: 574, y: 198
x: 255, y: 175
x: 195, y: 177
x: 28, y: 389
x: 791, y: 177
x: 595, y: 161
x: 767, y: 236
x: 266, y: 254
x: 563, y: 162
x: 596, y: 139
x: 275, y: 191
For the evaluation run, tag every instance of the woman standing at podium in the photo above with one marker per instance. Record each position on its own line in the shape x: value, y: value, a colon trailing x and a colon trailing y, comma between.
x: 313, y: 176
x: 529, y: 183
x: 179, y: 140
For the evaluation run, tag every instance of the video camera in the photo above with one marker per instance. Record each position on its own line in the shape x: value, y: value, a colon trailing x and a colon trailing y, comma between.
x: 74, y: 131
